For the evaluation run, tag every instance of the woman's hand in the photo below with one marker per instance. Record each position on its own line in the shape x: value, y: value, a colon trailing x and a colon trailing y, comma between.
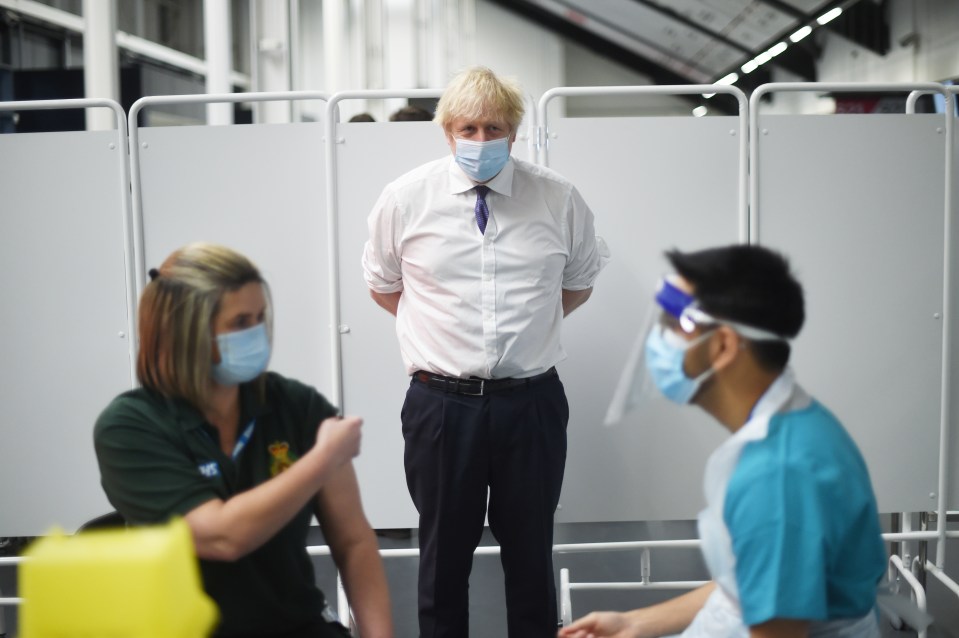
x: 338, y: 440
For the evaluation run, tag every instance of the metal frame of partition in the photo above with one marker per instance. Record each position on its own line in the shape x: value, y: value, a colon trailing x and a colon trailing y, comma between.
x: 129, y: 223
x: 945, y: 408
x: 542, y: 141
x: 941, y: 535
x: 646, y: 583
x: 836, y: 87
x: 538, y: 140
x: 920, y: 564
x: 914, y: 95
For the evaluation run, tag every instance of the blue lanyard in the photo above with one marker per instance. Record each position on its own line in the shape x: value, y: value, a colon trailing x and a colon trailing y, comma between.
x: 244, y: 439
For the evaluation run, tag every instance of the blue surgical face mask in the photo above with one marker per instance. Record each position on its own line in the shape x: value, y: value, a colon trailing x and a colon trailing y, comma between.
x: 482, y: 160
x: 244, y: 355
x: 665, y: 351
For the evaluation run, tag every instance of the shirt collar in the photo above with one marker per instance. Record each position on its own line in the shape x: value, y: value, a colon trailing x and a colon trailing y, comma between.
x: 459, y: 182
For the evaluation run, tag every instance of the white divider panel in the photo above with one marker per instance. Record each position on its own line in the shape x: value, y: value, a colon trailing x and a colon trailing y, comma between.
x: 654, y: 184
x: 259, y: 189
x: 953, y: 493
x: 374, y: 380
x: 64, y: 351
x: 856, y: 202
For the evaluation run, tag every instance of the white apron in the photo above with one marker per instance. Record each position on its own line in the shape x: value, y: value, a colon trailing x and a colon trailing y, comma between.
x: 721, y: 616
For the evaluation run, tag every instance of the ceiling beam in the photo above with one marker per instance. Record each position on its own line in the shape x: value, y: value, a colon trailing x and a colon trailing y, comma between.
x: 788, y: 9
x: 801, y: 62
x: 865, y: 24
x: 656, y: 73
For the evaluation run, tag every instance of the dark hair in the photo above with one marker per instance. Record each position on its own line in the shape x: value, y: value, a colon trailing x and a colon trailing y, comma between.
x: 750, y: 285
x: 362, y: 117
x: 411, y: 114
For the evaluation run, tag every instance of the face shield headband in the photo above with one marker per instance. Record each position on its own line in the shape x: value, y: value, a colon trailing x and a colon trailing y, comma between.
x: 685, y: 309
x: 671, y: 301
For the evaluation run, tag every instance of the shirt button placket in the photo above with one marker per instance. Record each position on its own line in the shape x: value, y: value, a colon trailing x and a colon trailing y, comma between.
x: 488, y: 287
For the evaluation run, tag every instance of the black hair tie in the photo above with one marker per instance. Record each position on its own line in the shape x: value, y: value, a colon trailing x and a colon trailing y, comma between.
x: 154, y: 273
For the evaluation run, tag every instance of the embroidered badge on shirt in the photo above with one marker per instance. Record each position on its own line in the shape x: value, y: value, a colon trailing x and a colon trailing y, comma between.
x: 210, y: 469
x: 282, y: 457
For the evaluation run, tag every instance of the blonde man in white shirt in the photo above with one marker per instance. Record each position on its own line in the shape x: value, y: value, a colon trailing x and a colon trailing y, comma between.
x: 480, y: 256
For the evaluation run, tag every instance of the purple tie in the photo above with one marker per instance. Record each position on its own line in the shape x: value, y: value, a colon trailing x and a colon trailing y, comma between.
x: 481, y: 209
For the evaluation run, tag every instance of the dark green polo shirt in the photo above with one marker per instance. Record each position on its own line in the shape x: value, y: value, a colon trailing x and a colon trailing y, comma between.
x: 159, y: 458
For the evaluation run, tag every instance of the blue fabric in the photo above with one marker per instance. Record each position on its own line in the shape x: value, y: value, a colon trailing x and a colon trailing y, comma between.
x: 672, y: 299
x: 804, y: 524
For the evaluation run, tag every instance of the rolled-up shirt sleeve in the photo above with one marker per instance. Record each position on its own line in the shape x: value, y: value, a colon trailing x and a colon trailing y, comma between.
x: 588, y: 253
x: 382, y: 265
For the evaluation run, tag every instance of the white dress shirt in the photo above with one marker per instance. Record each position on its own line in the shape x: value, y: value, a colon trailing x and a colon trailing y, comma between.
x: 490, y: 305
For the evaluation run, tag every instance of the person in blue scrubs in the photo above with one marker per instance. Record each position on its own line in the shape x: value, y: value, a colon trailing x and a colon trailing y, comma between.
x: 790, y: 533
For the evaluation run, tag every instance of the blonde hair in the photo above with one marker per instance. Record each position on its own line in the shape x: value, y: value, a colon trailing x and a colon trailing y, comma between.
x: 176, y: 317
x: 477, y: 92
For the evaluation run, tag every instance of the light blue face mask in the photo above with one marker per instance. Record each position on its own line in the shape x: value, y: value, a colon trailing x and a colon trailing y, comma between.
x: 665, y: 351
x: 482, y: 160
x: 244, y: 355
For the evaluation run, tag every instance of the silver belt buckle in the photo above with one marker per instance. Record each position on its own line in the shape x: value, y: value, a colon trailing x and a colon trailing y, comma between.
x: 481, y: 389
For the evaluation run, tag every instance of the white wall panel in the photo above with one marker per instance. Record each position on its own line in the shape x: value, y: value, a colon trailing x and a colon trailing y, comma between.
x: 259, y: 189
x: 374, y: 378
x: 64, y: 351
x: 857, y: 203
x: 654, y: 184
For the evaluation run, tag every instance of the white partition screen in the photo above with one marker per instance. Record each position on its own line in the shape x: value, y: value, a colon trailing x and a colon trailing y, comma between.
x: 374, y: 379
x: 856, y: 202
x: 953, y: 490
x: 64, y: 350
x: 259, y: 189
x: 654, y: 184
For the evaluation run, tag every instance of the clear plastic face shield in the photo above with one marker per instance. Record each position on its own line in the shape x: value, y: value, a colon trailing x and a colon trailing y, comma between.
x: 655, y: 364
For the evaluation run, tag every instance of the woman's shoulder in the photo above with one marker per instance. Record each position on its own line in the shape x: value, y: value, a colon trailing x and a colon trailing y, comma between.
x: 135, y: 410
x: 294, y: 392
x: 133, y: 402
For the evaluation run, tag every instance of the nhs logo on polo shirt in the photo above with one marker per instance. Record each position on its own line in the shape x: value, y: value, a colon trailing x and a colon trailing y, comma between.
x: 210, y: 469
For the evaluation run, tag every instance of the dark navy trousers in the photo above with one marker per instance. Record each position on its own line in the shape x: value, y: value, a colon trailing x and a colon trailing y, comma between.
x: 511, y: 446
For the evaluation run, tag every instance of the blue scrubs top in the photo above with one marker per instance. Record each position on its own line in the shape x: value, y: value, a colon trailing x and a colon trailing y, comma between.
x: 803, y: 521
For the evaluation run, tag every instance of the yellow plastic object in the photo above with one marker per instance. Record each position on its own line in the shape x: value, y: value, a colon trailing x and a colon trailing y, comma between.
x: 125, y: 583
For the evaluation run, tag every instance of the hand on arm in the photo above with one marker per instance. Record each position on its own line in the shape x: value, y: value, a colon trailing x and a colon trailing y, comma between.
x: 389, y: 301
x: 356, y: 553
x: 228, y: 530
x: 608, y: 624
x: 670, y: 617
x: 573, y: 299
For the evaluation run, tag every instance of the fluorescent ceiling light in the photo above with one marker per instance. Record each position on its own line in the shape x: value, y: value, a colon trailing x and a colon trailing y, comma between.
x: 802, y: 33
x: 829, y: 16
x: 700, y: 111
x: 763, y: 58
x: 750, y: 66
x: 777, y: 49
x: 728, y: 79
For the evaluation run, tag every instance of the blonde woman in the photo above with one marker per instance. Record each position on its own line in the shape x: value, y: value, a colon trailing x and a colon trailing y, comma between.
x: 245, y: 456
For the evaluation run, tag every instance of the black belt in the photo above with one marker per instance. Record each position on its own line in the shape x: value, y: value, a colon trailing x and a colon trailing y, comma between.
x: 478, y: 387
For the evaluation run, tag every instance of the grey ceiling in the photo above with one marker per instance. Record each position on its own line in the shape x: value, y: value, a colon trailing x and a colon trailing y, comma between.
x: 690, y: 41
